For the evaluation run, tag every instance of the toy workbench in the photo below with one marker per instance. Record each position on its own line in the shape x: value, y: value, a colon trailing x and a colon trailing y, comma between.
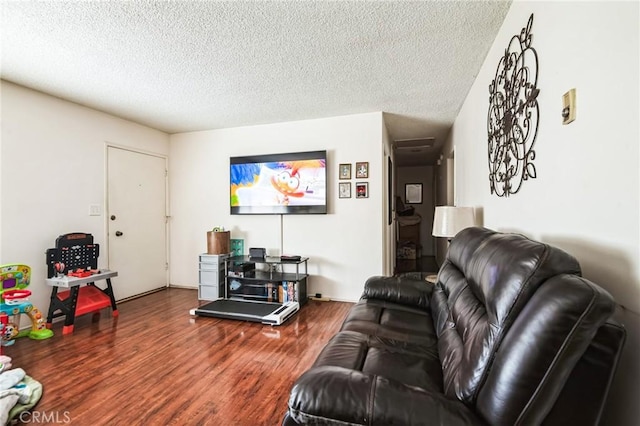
x: 73, y: 265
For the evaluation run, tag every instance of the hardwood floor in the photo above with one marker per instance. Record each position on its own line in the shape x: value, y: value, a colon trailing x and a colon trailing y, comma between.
x: 157, y: 365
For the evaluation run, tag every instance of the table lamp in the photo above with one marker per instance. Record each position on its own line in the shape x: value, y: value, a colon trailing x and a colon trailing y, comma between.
x: 449, y: 220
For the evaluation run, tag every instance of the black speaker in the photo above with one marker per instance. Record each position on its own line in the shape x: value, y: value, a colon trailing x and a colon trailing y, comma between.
x: 259, y: 252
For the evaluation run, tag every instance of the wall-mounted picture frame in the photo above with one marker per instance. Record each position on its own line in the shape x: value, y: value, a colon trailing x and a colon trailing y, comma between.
x: 362, y: 189
x: 362, y: 170
x: 344, y: 171
x: 344, y: 190
x: 413, y: 193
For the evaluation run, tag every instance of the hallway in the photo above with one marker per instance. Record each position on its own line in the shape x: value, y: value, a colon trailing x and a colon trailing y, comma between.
x: 427, y: 264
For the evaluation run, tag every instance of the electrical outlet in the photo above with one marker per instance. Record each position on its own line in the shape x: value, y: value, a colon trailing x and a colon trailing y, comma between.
x: 95, y: 210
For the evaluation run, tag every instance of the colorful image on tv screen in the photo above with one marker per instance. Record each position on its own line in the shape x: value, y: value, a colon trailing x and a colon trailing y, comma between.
x: 282, y: 183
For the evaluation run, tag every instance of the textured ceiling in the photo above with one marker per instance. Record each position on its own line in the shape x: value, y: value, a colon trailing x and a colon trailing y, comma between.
x: 187, y: 66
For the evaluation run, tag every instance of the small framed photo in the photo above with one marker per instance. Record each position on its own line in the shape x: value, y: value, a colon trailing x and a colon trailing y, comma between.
x: 345, y: 171
x: 413, y: 193
x: 344, y: 190
x: 362, y: 170
x: 362, y: 189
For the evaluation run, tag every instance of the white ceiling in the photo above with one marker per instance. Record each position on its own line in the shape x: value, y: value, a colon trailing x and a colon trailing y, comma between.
x: 188, y: 66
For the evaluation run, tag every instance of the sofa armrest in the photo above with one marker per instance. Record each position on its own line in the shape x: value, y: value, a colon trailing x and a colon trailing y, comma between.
x: 594, y: 371
x: 336, y: 395
x: 403, y: 290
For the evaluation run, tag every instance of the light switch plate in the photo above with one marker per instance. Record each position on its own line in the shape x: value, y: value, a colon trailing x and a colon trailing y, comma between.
x: 95, y: 210
x: 569, y: 106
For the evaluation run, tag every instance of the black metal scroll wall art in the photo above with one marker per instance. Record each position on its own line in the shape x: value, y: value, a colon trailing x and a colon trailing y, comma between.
x: 512, y: 122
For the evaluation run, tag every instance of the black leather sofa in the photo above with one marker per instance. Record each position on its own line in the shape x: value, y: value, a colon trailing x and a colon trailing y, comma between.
x: 510, y: 334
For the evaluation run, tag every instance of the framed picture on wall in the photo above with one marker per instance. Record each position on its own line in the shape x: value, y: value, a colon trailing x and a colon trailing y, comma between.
x: 344, y: 171
x: 362, y: 189
x: 362, y: 170
x: 413, y: 193
x: 344, y: 190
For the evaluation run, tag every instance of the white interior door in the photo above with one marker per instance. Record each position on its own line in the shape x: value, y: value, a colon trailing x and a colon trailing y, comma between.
x: 137, y: 221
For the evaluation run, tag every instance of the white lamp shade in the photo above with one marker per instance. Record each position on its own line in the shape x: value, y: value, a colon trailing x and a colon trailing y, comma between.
x: 449, y: 220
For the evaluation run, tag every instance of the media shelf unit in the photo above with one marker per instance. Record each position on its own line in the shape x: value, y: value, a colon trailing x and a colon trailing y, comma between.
x: 271, y: 279
x: 268, y: 290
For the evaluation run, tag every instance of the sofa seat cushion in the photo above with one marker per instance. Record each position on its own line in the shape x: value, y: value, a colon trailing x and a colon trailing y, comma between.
x: 391, y: 320
x: 330, y: 395
x: 372, y: 379
x: 413, y: 364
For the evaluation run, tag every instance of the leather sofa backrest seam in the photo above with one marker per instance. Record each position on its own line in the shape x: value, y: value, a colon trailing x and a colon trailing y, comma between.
x: 501, y: 333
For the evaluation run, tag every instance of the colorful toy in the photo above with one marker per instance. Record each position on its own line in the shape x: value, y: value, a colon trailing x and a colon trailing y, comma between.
x: 14, y: 300
x: 73, y: 265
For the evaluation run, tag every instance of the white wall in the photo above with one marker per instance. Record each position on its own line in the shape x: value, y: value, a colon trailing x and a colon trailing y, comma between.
x: 345, y: 246
x: 52, y: 169
x: 585, y: 198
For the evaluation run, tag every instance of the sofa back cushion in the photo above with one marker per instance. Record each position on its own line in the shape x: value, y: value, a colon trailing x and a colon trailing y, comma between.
x: 483, y: 285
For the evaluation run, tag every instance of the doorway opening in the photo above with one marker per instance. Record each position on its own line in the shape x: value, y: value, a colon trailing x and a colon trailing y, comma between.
x: 415, y: 185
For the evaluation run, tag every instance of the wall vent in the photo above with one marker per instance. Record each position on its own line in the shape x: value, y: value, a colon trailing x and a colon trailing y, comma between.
x: 414, y: 143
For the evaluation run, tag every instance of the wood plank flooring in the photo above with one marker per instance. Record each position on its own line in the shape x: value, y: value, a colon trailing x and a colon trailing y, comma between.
x: 157, y: 365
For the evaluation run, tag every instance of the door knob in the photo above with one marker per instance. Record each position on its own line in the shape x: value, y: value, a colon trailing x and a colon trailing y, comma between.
x: 118, y: 234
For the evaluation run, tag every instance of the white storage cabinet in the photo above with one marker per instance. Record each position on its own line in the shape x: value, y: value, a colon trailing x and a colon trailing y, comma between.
x: 211, y: 285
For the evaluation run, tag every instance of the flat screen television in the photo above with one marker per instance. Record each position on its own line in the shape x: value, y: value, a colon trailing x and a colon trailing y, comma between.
x: 289, y: 183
